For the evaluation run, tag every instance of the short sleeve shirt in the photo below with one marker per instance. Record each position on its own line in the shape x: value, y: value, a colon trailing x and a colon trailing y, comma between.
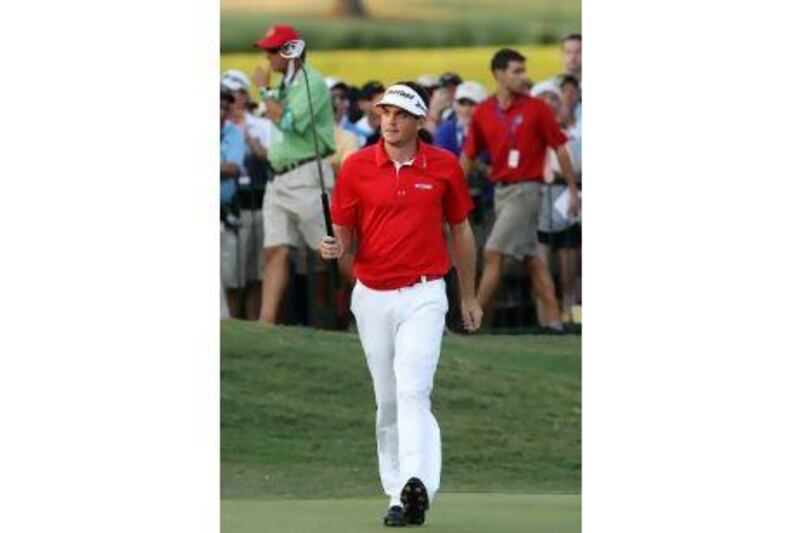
x: 398, y: 213
x: 529, y: 126
x: 231, y: 150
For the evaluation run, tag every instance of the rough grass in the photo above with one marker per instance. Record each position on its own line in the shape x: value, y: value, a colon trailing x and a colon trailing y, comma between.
x: 298, y: 414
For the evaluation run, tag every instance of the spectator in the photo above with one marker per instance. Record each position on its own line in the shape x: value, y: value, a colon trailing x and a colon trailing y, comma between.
x: 231, y: 158
x: 440, y: 99
x: 291, y: 204
x: 572, y: 61
x: 516, y: 129
x: 571, y: 45
x: 430, y: 83
x: 371, y: 95
x: 449, y: 82
x: 340, y: 93
x: 451, y: 132
x: 557, y: 233
x: 370, y: 121
x: 346, y: 141
x: 243, y: 261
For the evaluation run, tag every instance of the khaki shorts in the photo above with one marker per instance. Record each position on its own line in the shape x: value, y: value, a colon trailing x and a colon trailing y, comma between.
x: 249, y: 249
x: 516, y: 209
x: 292, y: 206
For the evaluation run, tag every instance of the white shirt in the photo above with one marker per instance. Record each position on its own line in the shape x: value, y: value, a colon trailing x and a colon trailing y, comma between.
x: 259, y: 128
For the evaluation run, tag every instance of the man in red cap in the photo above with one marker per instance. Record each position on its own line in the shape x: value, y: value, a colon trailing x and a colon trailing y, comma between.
x: 292, y: 210
x: 394, y: 197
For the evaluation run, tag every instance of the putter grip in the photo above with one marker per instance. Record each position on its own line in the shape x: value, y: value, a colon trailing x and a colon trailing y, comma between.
x: 326, y: 210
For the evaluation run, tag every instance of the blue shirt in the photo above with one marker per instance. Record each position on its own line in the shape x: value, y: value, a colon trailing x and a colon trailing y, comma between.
x: 231, y: 150
x: 450, y: 136
x: 353, y: 128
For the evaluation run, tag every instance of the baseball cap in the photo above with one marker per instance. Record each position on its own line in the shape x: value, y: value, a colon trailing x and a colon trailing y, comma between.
x: 548, y: 86
x: 235, y: 80
x: 370, y: 89
x: 336, y: 83
x: 450, y: 78
x: 429, y: 81
x: 405, y: 98
x: 470, y: 90
x: 276, y: 36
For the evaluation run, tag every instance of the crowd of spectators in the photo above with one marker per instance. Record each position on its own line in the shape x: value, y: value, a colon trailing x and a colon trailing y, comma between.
x: 271, y: 216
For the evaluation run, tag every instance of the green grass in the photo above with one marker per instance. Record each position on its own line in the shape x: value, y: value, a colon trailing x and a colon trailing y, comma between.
x: 359, y: 66
x: 298, y: 414
x: 415, y: 23
x: 453, y: 513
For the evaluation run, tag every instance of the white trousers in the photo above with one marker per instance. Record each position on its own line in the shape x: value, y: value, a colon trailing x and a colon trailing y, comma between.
x: 401, y: 334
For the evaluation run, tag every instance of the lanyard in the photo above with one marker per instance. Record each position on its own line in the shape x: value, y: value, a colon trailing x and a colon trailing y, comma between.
x: 511, y: 127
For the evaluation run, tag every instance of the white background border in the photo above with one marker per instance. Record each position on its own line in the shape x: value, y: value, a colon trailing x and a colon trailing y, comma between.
x: 109, y: 381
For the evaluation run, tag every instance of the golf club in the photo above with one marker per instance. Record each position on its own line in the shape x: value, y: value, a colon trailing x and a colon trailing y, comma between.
x: 293, y: 50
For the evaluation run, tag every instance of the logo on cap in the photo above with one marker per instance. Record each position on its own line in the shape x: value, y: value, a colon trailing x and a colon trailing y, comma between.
x: 408, y: 96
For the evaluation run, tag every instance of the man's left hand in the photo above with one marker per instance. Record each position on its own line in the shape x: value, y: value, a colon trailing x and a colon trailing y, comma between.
x: 574, y: 203
x: 472, y: 314
x: 274, y: 110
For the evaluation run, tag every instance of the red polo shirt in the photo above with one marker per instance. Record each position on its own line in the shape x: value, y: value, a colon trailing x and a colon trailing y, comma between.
x: 398, y: 215
x: 529, y: 125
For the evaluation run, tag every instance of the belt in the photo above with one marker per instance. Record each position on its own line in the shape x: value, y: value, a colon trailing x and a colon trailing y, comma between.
x: 508, y: 183
x: 423, y: 280
x: 388, y: 287
x: 300, y: 163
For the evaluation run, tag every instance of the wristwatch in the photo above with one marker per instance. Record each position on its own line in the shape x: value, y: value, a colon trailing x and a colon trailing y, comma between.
x: 266, y: 92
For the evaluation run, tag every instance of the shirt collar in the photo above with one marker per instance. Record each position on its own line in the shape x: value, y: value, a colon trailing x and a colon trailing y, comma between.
x: 515, y: 101
x: 420, y: 160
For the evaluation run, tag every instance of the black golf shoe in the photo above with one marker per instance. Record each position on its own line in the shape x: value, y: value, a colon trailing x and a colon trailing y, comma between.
x: 415, y: 501
x: 395, y: 517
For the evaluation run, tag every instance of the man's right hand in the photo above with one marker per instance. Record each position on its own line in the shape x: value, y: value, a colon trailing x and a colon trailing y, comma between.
x: 260, y: 77
x: 330, y: 248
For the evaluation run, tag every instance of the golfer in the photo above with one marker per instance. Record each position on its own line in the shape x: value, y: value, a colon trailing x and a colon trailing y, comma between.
x: 394, y: 197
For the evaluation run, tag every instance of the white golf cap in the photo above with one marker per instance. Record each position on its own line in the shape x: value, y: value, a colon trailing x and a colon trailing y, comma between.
x: 405, y: 98
x: 235, y: 80
x: 331, y: 82
x: 470, y: 90
x: 548, y: 86
x: 429, y: 81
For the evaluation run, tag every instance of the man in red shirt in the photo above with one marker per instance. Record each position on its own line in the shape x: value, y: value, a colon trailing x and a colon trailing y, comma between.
x: 394, y: 198
x: 517, y: 130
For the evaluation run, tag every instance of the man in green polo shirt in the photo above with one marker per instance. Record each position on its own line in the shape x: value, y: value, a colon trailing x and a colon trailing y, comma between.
x: 292, y: 207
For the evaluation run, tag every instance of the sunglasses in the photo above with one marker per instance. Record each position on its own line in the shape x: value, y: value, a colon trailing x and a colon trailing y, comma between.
x: 465, y: 102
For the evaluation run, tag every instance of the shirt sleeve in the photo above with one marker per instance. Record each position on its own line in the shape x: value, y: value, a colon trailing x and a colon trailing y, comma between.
x: 474, y: 141
x: 233, y: 147
x: 549, y: 127
x: 263, y: 131
x: 344, y: 206
x: 297, y: 116
x: 457, y: 201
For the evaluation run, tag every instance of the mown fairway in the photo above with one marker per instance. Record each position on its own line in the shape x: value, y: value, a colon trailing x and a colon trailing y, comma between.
x: 359, y: 66
x: 453, y: 513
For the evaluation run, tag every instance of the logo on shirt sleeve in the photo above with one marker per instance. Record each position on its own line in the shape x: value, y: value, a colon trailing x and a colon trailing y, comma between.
x: 424, y: 186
